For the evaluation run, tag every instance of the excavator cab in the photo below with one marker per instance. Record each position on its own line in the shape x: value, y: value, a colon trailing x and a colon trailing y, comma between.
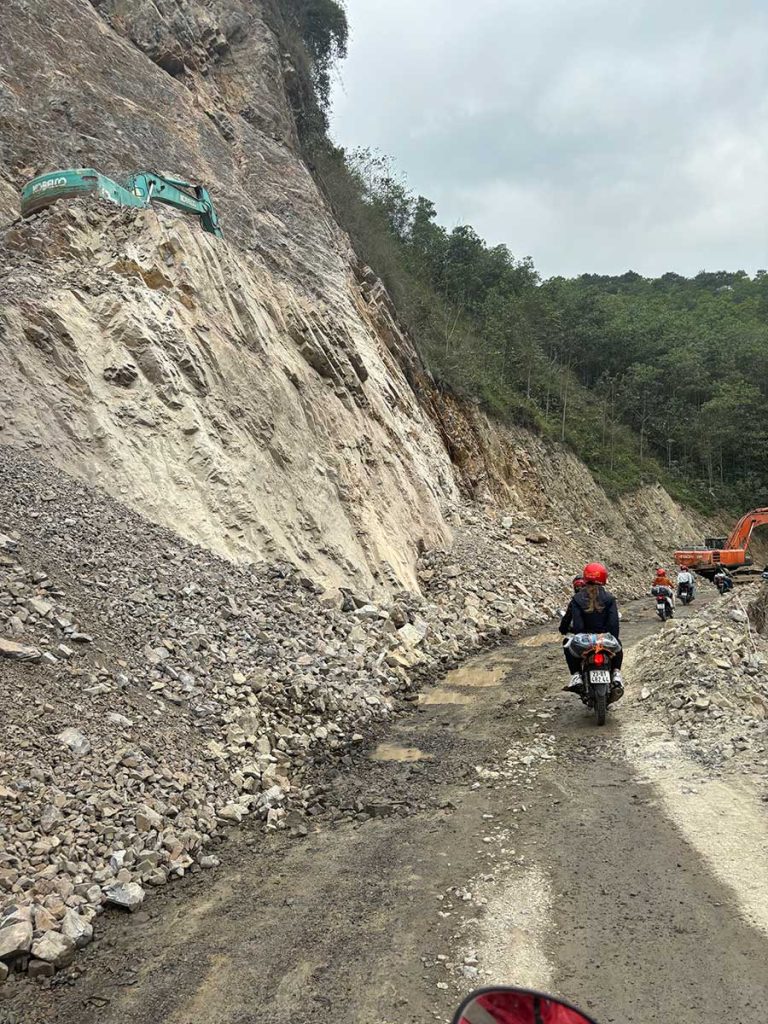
x: 73, y: 183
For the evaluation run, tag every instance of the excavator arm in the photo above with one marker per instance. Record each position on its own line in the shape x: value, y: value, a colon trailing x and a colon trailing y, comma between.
x: 177, y: 192
x: 139, y: 190
x: 742, y: 532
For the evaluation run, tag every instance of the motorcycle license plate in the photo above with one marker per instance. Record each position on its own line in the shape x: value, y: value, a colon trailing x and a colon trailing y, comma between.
x: 600, y: 678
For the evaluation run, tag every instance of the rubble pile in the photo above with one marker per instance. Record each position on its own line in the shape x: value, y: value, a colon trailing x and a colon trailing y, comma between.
x: 505, y: 571
x: 710, y: 674
x: 154, y: 692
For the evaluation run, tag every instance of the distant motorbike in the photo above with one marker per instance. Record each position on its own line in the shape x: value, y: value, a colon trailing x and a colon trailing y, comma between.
x: 685, y: 592
x: 517, y: 1006
x: 596, y: 652
x: 665, y: 609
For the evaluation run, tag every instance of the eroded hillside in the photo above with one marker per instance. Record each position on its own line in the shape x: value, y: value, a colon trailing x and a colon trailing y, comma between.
x: 251, y: 393
x: 255, y: 394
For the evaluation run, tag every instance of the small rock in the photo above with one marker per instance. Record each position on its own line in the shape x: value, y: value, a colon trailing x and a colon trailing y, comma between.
x: 412, y: 634
x: 77, y: 928
x: 120, y: 720
x: 128, y: 895
x: 15, y: 939
x: 18, y: 652
x: 39, y: 606
x: 40, y: 969
x: 232, y: 812
x: 379, y: 810
x: 148, y: 819
x: 75, y: 740
x: 368, y: 611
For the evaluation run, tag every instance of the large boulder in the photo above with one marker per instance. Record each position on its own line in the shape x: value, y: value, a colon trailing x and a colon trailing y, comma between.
x: 15, y: 940
x: 54, y: 948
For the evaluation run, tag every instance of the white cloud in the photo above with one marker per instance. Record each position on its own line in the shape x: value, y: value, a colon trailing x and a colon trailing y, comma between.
x: 593, y: 136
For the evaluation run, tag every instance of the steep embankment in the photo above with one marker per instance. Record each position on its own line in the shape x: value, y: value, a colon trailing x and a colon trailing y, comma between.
x: 251, y: 394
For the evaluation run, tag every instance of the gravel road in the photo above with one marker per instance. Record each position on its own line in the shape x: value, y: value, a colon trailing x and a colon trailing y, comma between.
x: 509, y: 840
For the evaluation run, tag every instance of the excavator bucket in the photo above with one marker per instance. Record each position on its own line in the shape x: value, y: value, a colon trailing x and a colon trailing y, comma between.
x: 73, y: 183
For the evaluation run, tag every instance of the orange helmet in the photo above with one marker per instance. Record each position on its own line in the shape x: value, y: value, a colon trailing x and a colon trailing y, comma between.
x: 595, y: 572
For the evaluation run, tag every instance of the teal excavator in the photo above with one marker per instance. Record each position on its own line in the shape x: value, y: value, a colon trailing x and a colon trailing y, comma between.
x: 139, y: 190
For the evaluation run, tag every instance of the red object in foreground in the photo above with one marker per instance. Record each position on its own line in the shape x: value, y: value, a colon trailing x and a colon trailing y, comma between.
x: 510, y: 1007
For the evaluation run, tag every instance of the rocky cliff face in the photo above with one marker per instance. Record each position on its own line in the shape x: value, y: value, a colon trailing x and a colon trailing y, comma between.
x: 254, y: 394
x: 250, y: 393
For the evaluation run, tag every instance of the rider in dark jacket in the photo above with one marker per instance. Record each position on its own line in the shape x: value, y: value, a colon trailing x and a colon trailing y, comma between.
x: 594, y: 610
x: 567, y: 619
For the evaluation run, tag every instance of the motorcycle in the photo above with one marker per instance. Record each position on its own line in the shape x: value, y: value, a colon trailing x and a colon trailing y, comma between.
x: 596, y: 652
x: 664, y: 607
x: 506, y: 1005
x: 685, y: 592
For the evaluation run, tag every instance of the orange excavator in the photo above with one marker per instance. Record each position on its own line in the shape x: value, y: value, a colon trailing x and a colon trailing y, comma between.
x: 729, y: 551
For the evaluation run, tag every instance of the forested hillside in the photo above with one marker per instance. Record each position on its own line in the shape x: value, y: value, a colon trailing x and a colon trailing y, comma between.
x: 664, y: 378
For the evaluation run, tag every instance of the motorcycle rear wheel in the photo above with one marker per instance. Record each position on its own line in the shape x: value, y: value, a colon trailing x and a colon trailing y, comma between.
x: 601, y: 707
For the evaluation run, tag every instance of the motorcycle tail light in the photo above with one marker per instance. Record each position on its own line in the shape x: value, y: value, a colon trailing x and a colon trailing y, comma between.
x: 599, y: 659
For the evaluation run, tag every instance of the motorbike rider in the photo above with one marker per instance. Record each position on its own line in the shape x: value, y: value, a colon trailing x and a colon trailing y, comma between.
x: 685, y: 576
x: 565, y: 622
x: 662, y: 580
x: 594, y: 610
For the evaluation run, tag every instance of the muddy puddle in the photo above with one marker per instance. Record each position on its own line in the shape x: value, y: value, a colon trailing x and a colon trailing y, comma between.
x: 394, y: 752
x: 480, y: 673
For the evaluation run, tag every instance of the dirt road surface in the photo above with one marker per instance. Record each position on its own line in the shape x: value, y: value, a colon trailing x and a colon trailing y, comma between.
x: 511, y: 840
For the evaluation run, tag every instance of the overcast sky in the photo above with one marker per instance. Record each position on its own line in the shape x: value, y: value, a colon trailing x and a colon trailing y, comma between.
x: 592, y: 135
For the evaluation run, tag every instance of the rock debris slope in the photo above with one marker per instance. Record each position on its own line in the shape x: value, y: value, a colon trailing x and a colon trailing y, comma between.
x: 708, y: 674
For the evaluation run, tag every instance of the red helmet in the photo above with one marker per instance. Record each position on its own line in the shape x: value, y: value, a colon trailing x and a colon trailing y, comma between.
x: 595, y: 572
x: 579, y: 582
x: 661, y: 572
